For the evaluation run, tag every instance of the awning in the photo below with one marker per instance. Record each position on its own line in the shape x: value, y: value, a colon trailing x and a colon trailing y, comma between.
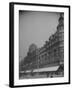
x: 53, y: 68
x: 28, y: 71
x: 47, y: 69
x: 22, y: 71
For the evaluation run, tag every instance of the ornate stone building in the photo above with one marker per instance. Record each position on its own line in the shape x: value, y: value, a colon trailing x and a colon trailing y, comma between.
x: 55, y: 45
x: 30, y: 61
x: 43, y: 57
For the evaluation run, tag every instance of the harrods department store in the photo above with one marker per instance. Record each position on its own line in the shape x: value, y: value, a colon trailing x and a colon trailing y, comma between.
x: 50, y: 57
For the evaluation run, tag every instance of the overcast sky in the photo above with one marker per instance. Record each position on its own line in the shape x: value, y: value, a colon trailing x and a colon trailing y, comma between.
x: 35, y: 27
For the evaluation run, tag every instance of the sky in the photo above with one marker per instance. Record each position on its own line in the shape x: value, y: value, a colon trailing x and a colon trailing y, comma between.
x: 35, y: 27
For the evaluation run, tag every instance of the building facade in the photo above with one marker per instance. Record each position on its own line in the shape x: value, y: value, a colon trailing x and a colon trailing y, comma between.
x: 55, y: 45
x: 30, y: 61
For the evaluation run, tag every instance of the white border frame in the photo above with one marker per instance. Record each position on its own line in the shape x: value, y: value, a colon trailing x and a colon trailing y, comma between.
x: 18, y: 82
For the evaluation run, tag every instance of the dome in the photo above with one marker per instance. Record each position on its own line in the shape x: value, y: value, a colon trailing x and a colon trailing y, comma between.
x: 32, y: 48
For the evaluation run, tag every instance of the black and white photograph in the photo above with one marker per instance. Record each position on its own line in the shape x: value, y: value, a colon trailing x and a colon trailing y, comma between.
x: 39, y: 46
